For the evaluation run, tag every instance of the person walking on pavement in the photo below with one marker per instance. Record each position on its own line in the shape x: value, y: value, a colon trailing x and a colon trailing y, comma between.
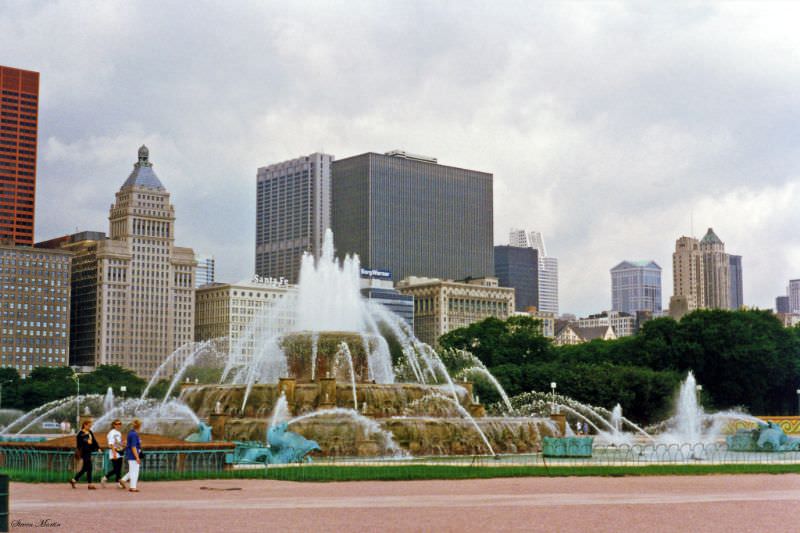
x: 86, y: 444
x: 133, y: 453
x: 115, y: 454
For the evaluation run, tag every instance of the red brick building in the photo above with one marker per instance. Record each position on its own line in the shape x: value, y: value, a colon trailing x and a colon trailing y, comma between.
x: 19, y: 119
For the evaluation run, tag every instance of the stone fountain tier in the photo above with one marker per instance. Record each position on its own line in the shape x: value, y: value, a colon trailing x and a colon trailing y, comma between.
x: 341, y: 436
x: 374, y: 400
x: 310, y: 356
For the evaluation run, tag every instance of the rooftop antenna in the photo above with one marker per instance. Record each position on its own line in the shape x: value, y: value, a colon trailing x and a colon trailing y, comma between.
x: 691, y: 222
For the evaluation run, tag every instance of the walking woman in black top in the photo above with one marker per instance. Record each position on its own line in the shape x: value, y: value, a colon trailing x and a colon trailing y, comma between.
x: 86, y: 444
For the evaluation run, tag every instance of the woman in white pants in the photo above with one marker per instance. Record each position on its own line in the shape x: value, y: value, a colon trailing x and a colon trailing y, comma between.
x: 133, y: 453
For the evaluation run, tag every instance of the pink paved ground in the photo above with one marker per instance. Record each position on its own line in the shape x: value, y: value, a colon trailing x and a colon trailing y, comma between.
x: 654, y: 504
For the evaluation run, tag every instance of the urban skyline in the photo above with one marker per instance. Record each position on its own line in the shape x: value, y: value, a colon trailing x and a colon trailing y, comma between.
x: 559, y: 159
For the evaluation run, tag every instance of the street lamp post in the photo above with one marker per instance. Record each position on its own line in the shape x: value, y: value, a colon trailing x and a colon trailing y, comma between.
x: 699, y: 389
x: 123, y: 389
x: 553, y: 389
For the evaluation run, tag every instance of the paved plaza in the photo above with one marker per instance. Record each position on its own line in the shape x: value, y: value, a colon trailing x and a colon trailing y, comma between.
x: 723, y: 503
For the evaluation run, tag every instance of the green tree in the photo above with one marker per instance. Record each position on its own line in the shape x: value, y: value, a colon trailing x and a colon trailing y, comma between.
x: 114, y: 376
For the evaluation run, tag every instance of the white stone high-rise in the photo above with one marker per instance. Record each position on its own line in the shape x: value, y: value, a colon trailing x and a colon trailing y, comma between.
x: 548, y: 267
x: 137, y: 284
x: 716, y: 270
x: 701, y: 275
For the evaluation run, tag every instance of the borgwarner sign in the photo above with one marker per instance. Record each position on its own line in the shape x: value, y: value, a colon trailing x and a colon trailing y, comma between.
x: 374, y: 273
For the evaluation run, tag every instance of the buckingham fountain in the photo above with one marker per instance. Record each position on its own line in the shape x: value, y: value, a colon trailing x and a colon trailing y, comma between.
x: 322, y: 364
x: 330, y: 372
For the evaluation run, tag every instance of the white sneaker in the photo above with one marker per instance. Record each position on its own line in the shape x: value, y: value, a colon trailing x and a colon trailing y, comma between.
x: 103, y: 481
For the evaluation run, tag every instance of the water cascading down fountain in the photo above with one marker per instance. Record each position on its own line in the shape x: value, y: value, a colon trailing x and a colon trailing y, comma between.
x: 321, y: 363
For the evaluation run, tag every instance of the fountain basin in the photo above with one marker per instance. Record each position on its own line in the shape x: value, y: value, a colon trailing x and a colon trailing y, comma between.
x: 374, y: 400
x: 342, y: 436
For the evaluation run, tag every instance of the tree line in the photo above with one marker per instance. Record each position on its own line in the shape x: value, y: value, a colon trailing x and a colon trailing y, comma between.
x: 743, y: 359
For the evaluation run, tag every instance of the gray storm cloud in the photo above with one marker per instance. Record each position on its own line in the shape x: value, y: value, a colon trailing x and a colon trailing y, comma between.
x: 606, y: 125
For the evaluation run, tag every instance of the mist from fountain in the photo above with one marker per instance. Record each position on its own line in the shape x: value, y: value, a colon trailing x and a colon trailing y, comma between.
x: 281, y: 411
x: 691, y: 424
x: 156, y: 416
x: 54, y: 407
x: 108, y: 400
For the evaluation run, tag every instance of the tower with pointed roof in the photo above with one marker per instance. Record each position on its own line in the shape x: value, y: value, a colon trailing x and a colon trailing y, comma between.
x: 139, y: 285
x: 688, y: 278
x: 716, y: 271
x: 701, y: 275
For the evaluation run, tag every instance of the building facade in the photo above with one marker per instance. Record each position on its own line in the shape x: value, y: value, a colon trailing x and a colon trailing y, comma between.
x: 227, y: 310
x: 204, y: 273
x: 83, y: 288
x: 548, y: 322
x: 793, y: 293
x: 518, y: 268
x: 293, y: 210
x: 412, y: 216
x: 716, y: 269
x: 444, y: 305
x: 547, y: 268
x: 380, y: 289
x: 736, y: 292
x: 569, y: 334
x: 34, y: 302
x: 688, y: 278
x: 133, y: 291
x: 636, y: 286
x: 782, y: 304
x: 623, y: 324
x: 19, y: 133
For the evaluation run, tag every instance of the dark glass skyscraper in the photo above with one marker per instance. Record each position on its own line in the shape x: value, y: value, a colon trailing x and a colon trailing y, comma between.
x: 735, y: 296
x: 411, y: 216
x: 518, y: 268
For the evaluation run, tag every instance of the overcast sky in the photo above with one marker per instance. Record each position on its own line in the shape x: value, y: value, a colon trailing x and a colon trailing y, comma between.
x: 605, y: 124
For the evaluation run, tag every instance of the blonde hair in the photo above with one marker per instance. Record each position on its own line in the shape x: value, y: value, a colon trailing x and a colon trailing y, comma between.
x: 137, y: 424
x: 87, y: 422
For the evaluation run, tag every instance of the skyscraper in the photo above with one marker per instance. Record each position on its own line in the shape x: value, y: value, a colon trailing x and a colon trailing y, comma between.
x: 204, y: 273
x: 518, y: 267
x: 704, y: 276
x: 735, y: 298
x: 636, y: 286
x: 548, y: 267
x: 135, y: 289
x: 293, y: 210
x: 782, y: 304
x: 716, y: 270
x: 34, y: 297
x: 409, y: 215
x: 688, y: 277
x: 793, y: 292
x: 19, y: 119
